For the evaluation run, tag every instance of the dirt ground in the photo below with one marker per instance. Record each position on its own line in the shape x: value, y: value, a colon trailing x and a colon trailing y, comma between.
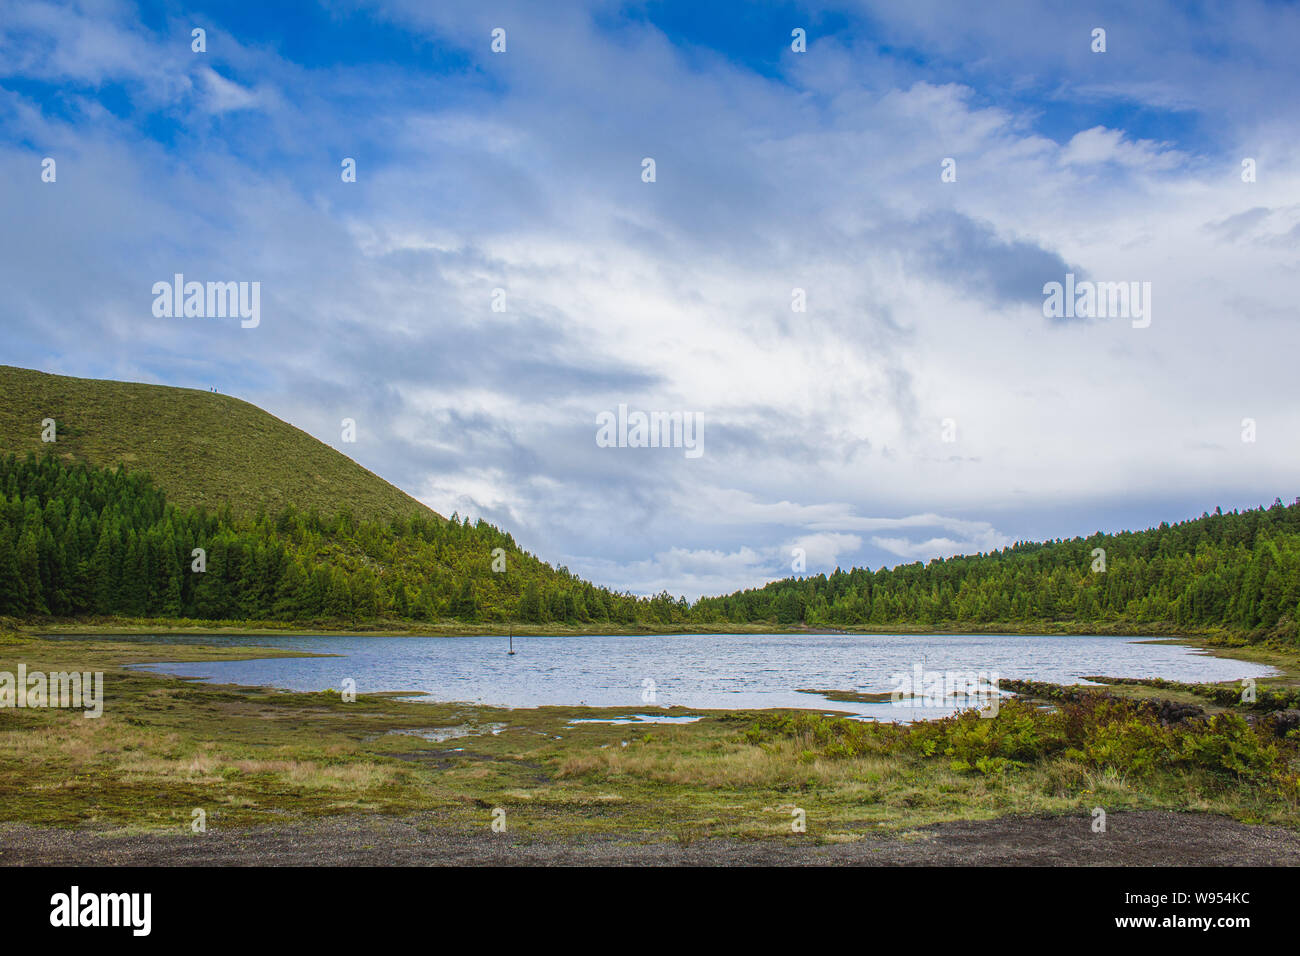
x: 1144, y: 838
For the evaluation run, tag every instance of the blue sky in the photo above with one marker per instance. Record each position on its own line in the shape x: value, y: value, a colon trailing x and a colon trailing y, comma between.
x: 776, y: 170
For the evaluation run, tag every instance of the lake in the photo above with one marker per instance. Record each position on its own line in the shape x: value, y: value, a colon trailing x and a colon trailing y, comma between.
x: 711, y: 671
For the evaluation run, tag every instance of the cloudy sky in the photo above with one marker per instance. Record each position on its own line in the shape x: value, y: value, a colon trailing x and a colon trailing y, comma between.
x: 775, y: 170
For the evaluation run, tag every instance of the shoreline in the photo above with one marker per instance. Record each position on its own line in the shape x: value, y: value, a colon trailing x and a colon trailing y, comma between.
x: 1285, y: 664
x: 161, y: 626
x: 1284, y: 661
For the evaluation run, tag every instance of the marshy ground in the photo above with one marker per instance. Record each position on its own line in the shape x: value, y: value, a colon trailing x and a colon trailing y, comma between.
x: 309, y: 778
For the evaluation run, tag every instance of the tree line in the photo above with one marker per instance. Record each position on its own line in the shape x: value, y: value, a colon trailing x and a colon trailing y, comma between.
x: 77, y: 540
x: 1239, y: 570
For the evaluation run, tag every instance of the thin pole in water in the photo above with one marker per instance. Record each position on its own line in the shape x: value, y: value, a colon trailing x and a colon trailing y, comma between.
x: 512, y: 642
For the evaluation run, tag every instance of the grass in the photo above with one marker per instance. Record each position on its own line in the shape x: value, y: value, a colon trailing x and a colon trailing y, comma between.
x: 1216, y: 640
x: 449, y: 627
x: 246, y: 756
x: 200, y: 447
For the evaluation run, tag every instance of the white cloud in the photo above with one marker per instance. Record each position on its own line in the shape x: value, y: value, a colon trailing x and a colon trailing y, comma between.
x: 1102, y: 145
x: 824, y: 550
x: 686, y: 572
x: 822, y: 427
x: 224, y: 96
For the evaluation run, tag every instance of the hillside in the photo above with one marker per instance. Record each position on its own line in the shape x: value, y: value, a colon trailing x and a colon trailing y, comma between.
x: 202, y: 448
x: 105, y: 522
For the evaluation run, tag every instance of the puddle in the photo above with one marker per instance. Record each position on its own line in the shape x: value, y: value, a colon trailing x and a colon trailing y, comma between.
x: 638, y: 719
x: 441, y: 734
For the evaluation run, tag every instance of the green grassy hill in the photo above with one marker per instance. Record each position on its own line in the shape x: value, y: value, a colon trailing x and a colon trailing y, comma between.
x: 201, y: 448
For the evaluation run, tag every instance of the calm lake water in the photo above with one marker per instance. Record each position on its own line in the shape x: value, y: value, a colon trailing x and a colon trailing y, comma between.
x: 695, y: 671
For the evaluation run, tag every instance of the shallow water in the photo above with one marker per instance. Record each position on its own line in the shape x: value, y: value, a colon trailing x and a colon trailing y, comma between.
x: 442, y: 734
x: 696, y: 671
x: 640, y: 719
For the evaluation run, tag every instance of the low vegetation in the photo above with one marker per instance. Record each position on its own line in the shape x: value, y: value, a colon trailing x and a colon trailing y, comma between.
x: 165, y: 747
x: 1266, y: 700
x: 1100, y: 732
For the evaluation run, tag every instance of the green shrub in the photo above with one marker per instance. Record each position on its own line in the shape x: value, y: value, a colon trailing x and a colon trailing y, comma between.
x: 1114, y: 734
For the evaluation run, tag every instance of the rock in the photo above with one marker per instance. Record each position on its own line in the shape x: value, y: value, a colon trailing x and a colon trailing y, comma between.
x: 1174, y: 712
x: 1285, y: 720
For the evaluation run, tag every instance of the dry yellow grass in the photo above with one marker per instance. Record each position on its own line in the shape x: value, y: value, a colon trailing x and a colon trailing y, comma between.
x: 729, y: 765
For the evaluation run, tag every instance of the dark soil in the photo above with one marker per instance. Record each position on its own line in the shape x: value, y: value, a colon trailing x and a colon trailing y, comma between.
x: 1146, y: 838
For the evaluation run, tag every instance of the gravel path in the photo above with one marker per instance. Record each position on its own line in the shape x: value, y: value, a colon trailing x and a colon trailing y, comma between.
x: 1144, y: 838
